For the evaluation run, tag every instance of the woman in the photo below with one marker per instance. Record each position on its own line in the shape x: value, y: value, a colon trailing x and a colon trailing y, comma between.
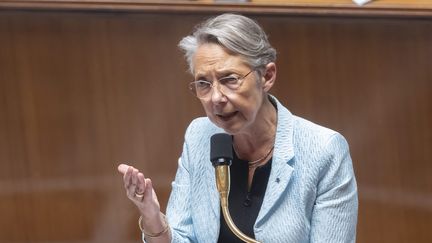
x: 291, y: 180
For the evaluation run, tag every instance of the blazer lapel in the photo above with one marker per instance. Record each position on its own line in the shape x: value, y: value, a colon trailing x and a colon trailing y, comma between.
x: 281, y: 170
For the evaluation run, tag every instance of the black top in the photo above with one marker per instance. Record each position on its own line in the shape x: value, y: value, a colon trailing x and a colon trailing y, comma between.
x: 244, y: 206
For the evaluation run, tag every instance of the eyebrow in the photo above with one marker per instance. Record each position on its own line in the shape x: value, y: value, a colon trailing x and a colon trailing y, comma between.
x: 220, y: 74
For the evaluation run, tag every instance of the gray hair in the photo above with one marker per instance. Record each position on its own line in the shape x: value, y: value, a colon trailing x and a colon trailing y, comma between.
x: 236, y: 33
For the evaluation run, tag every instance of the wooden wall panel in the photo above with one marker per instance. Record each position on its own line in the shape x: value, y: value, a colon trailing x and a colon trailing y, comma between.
x: 82, y: 91
x: 370, y: 80
x: 79, y: 94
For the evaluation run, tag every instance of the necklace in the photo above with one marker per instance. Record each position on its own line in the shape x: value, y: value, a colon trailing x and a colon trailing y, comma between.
x: 256, y: 163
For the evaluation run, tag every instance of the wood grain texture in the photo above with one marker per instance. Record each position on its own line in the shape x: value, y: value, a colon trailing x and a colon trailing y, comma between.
x: 379, y: 8
x: 81, y: 91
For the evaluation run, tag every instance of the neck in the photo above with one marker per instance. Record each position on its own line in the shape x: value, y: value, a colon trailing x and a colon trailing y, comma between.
x: 259, y: 138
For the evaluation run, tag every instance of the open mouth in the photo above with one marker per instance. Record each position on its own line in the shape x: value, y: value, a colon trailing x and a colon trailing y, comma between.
x: 227, y: 117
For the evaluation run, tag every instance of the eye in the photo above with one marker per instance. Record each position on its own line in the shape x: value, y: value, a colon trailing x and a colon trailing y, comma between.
x: 228, y: 80
x: 202, y: 84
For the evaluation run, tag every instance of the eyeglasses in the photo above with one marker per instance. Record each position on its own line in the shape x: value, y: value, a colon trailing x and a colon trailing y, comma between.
x: 227, y: 85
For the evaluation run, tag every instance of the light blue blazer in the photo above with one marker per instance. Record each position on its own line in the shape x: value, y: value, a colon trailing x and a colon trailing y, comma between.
x: 311, y: 194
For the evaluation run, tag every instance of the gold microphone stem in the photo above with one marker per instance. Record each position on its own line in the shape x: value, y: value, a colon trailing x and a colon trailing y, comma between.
x: 223, y: 185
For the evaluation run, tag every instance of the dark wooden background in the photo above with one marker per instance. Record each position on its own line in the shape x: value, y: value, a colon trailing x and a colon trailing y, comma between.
x: 81, y: 91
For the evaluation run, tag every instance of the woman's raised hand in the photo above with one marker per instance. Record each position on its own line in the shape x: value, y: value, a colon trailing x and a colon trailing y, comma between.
x: 140, y: 191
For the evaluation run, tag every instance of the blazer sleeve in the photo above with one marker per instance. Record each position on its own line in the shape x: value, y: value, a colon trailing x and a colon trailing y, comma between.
x: 334, y: 216
x: 178, y: 208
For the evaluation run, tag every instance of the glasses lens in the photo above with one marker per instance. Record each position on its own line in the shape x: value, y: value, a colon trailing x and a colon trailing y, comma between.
x: 229, y: 84
x: 200, y: 88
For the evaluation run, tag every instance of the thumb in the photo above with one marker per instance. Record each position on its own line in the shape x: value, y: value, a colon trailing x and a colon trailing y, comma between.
x: 122, y: 168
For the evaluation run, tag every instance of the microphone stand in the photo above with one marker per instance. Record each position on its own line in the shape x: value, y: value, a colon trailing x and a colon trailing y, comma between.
x: 223, y: 185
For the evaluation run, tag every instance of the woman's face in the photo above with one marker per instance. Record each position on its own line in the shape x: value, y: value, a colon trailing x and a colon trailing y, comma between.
x: 235, y: 112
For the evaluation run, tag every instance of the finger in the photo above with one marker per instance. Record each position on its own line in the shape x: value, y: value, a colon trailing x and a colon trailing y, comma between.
x: 127, y: 177
x: 134, y: 180
x: 141, y: 185
x: 135, y: 177
x: 148, y: 189
x: 122, y: 168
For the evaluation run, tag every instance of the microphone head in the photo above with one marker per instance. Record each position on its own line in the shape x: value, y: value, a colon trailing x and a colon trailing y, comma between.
x: 221, y: 149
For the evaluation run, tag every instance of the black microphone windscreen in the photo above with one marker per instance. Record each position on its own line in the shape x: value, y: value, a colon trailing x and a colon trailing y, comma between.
x: 221, y: 147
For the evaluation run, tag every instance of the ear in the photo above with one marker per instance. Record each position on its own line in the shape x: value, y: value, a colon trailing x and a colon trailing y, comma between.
x: 269, y: 76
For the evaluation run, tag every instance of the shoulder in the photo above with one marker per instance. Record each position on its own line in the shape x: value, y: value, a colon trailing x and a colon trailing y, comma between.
x: 319, y: 139
x: 307, y: 130
x: 302, y: 138
x: 302, y: 132
x: 200, y: 130
x: 199, y: 123
x: 319, y: 147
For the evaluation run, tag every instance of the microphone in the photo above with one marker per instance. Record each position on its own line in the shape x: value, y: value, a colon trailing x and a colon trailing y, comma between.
x: 221, y: 157
x: 221, y: 149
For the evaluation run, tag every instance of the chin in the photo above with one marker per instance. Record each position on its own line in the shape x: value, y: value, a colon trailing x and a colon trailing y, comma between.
x: 231, y: 129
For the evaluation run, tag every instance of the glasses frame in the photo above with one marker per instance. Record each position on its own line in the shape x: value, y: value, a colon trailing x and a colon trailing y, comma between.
x: 193, y: 84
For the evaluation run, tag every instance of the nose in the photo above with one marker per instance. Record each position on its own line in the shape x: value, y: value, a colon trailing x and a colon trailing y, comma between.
x: 217, y: 96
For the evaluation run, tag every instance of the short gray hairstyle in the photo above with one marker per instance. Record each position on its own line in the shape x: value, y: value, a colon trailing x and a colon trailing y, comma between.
x: 236, y: 33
